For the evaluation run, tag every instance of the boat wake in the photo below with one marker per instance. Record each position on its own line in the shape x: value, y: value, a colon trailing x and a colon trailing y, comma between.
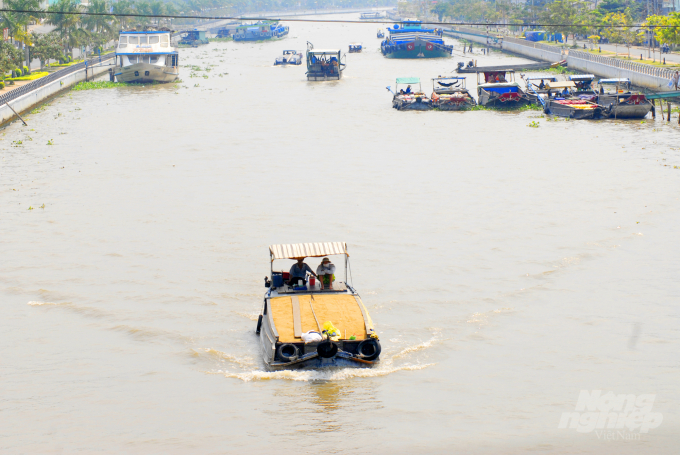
x: 385, y: 367
x: 37, y: 303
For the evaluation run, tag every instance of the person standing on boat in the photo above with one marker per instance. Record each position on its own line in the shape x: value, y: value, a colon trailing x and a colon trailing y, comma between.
x: 299, y: 272
x: 408, y: 91
x: 326, y: 273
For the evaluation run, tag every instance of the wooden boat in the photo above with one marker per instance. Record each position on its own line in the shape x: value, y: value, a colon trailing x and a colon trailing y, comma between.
x: 409, y: 99
x: 617, y: 96
x: 450, y: 94
x: 537, y: 86
x: 519, y: 67
x: 380, y: 34
x: 289, y: 57
x: 193, y: 38
x: 355, y: 48
x: 260, y: 31
x: 574, y: 108
x: 410, y: 40
x: 291, y: 312
x: 324, y: 64
x: 583, y: 85
x: 371, y: 16
x: 499, y: 89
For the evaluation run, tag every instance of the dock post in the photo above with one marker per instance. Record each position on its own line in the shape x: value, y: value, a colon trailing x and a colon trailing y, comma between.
x: 669, y: 111
x: 661, y: 106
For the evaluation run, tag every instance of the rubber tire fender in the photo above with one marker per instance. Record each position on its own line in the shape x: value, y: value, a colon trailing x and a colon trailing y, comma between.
x: 285, y: 355
x: 259, y: 325
x: 367, y: 343
x: 327, y: 349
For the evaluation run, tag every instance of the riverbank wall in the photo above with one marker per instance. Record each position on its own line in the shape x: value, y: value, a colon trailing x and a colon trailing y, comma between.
x: 640, y: 74
x: 28, y: 96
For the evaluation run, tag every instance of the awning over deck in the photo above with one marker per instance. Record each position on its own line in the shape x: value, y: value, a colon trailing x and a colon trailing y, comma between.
x: 307, y: 250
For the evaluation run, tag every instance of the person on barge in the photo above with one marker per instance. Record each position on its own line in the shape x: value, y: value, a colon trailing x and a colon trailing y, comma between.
x: 326, y: 273
x: 299, y: 272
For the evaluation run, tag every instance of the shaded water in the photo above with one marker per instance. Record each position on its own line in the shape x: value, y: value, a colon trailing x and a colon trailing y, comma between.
x: 507, y: 268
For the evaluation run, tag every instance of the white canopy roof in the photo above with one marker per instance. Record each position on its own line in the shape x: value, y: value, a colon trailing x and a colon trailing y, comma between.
x: 307, y: 250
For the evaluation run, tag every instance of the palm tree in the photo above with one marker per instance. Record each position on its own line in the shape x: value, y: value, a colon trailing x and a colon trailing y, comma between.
x: 65, y: 24
x: 99, y: 24
x: 122, y: 7
x: 22, y: 20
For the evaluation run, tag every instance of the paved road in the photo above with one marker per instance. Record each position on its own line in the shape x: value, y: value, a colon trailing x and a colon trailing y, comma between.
x: 635, y: 51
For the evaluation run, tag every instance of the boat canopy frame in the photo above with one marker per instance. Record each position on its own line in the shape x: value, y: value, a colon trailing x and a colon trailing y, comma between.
x: 308, y: 250
x: 449, y: 78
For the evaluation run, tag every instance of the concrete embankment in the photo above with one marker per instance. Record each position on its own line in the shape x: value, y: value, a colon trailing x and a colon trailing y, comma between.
x: 640, y: 74
x: 27, y: 97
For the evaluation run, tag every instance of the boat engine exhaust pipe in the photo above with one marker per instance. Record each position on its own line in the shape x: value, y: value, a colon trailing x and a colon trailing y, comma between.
x: 327, y: 349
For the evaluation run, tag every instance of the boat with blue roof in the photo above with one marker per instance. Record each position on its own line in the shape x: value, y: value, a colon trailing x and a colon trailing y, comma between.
x: 622, y: 102
x: 355, y: 48
x: 410, y: 40
x: 260, y: 31
x: 193, y: 38
x: 146, y: 56
x: 499, y: 89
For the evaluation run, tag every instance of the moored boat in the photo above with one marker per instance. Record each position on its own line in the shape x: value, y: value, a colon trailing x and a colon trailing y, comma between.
x: 260, y: 31
x: 380, y: 33
x: 146, y: 57
x: 355, y: 48
x: 324, y: 64
x: 574, y: 108
x: 410, y: 40
x: 537, y: 86
x: 617, y: 96
x: 193, y: 38
x: 583, y: 85
x: 370, y: 16
x: 289, y: 57
x: 499, y: 89
x: 409, y: 99
x: 450, y: 94
x: 305, y: 326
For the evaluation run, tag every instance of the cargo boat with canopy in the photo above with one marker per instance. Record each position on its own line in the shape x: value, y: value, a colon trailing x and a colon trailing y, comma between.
x: 570, y: 106
x: 324, y: 64
x: 618, y: 97
x: 260, y: 31
x: 450, y: 94
x: 146, y: 57
x: 409, y: 100
x: 305, y: 326
x: 410, y: 40
x: 499, y: 89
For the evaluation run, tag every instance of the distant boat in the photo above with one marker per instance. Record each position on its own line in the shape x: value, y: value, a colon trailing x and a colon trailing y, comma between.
x: 407, y: 98
x: 616, y: 96
x: 289, y: 58
x: 499, y: 89
x: 324, y: 64
x: 260, y: 31
x: 193, y: 38
x: 146, y: 57
x: 355, y: 48
x: 410, y: 40
x: 371, y: 16
x: 450, y: 94
x: 380, y: 33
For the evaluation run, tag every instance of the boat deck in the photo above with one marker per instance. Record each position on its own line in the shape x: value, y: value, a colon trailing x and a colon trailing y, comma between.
x: 292, y: 315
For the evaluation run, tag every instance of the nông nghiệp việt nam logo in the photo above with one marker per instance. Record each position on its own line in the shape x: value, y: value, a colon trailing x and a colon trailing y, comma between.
x: 595, y: 411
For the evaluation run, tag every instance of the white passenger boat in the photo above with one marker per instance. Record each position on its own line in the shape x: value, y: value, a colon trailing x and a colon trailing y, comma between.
x: 293, y: 311
x: 146, y: 57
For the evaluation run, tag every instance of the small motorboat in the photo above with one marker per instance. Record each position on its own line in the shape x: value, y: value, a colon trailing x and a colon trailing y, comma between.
x: 409, y: 99
x: 324, y: 64
x: 537, y: 86
x: 450, y: 94
x: 192, y: 38
x: 305, y: 326
x: 618, y: 97
x: 380, y: 34
x: 355, y: 48
x: 499, y: 89
x: 289, y: 57
x: 574, y: 108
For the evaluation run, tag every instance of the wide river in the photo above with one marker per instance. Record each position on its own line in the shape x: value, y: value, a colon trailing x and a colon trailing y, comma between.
x: 507, y: 268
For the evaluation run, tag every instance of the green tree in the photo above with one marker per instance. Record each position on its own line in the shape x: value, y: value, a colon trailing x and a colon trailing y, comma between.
x: 66, y: 24
x: 666, y: 29
x: 566, y: 16
x: 46, y: 47
x: 10, y: 58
